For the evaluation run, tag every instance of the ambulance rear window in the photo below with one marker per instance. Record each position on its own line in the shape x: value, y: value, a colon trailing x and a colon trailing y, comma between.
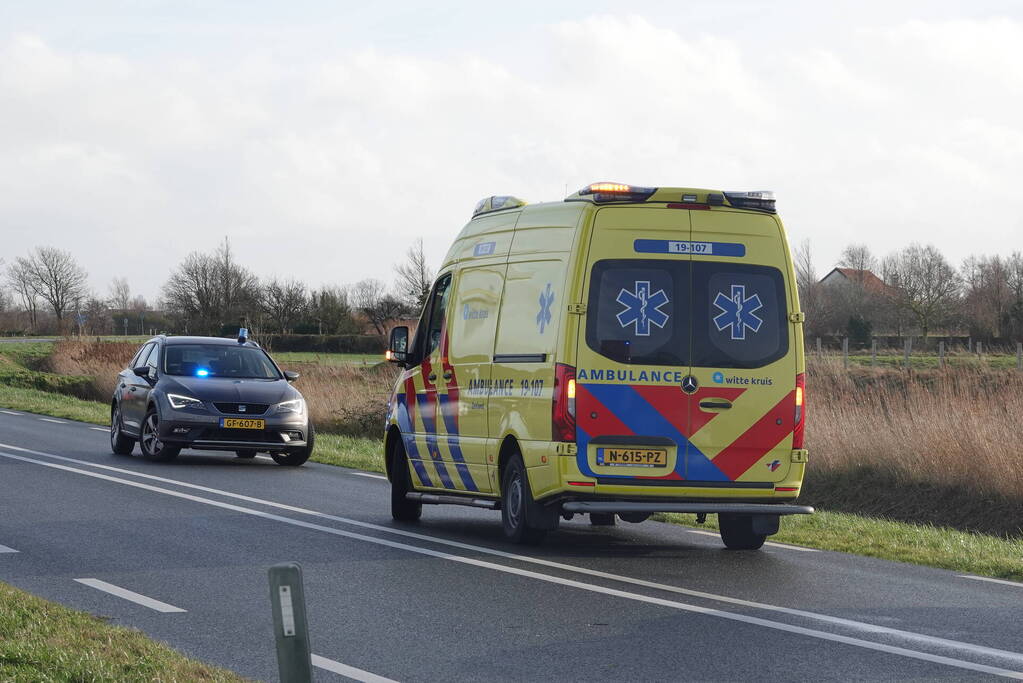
x: 677, y: 313
x: 740, y: 316
x: 638, y: 311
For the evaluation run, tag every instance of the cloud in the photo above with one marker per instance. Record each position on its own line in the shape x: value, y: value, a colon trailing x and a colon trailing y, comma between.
x: 327, y: 169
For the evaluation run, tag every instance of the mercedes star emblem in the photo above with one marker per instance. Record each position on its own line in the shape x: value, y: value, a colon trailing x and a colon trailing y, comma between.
x: 690, y: 385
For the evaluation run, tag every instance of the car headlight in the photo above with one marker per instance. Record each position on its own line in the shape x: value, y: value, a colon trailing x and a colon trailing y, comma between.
x: 180, y: 402
x: 295, y: 405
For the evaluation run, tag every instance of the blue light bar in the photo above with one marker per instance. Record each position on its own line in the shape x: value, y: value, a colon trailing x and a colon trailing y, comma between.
x: 202, y: 372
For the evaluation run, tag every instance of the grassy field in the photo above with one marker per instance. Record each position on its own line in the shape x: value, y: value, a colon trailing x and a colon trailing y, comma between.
x: 304, y: 357
x: 43, y: 641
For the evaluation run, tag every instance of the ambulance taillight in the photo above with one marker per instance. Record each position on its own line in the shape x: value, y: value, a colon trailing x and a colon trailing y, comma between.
x: 799, y: 423
x: 563, y: 409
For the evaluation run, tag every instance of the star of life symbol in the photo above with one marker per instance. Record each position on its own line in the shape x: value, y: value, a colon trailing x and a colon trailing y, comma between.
x: 642, y: 308
x: 738, y: 312
x: 543, y: 318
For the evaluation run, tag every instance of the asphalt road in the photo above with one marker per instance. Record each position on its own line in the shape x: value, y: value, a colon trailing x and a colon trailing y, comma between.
x: 447, y: 599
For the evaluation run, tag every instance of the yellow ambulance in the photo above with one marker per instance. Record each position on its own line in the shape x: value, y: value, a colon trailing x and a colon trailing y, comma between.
x: 626, y: 351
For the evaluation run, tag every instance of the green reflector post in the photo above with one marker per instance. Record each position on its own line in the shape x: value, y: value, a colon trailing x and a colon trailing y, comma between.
x: 291, y: 628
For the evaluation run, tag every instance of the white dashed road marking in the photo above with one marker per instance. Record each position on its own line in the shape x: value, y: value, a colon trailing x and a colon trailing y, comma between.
x: 46, y: 419
x: 9, y: 412
x: 5, y: 549
x: 99, y: 429
x: 137, y: 598
x: 348, y: 671
x: 371, y: 476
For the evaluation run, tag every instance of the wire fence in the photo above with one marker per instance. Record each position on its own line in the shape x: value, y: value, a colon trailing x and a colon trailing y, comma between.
x: 940, y: 355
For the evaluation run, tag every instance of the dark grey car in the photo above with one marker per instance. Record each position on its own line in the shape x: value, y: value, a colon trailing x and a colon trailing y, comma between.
x: 209, y: 393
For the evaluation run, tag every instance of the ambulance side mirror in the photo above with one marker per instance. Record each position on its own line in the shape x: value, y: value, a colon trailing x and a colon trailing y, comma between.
x: 397, y: 347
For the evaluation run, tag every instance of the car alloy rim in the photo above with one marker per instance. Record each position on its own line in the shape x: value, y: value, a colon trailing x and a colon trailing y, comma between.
x: 515, y: 500
x: 115, y: 425
x: 150, y: 438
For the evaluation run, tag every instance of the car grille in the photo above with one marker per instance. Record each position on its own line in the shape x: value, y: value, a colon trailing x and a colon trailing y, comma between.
x: 247, y: 435
x: 235, y: 408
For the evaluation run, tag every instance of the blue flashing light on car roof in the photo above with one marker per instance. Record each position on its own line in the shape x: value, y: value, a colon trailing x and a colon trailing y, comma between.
x: 202, y: 372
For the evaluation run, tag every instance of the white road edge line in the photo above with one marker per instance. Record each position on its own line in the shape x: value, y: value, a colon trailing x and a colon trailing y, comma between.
x: 99, y: 429
x: 7, y: 549
x: 47, y: 419
x: 132, y: 596
x: 593, y: 588
x: 860, y: 626
x: 367, y: 474
x: 349, y: 671
x: 1014, y: 584
x: 9, y: 412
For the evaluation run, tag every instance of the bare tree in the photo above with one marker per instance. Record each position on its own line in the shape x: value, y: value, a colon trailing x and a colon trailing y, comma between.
x: 923, y: 284
x: 858, y: 257
x: 120, y: 294
x: 329, y: 307
x: 987, y: 294
x: 414, y: 277
x: 56, y: 278
x: 19, y: 278
x: 284, y: 301
x: 379, y: 308
x: 209, y: 291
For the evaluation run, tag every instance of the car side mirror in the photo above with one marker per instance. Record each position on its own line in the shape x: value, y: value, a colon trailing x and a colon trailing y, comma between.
x: 397, y: 347
x: 291, y: 375
x: 142, y: 371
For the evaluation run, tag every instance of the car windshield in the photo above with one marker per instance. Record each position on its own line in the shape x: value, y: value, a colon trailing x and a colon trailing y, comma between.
x: 218, y: 360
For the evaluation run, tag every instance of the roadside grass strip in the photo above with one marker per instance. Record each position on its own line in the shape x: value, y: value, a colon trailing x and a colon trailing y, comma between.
x: 961, y: 649
x: 44, y: 641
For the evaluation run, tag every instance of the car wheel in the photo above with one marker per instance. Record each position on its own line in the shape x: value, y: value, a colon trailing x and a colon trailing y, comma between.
x: 602, y: 518
x: 402, y: 509
x: 296, y: 458
x: 120, y: 443
x: 149, y: 439
x: 737, y: 532
x: 245, y: 454
x: 516, y: 498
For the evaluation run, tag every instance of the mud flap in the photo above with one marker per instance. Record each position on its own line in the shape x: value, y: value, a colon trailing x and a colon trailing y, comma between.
x: 541, y: 516
x: 766, y: 525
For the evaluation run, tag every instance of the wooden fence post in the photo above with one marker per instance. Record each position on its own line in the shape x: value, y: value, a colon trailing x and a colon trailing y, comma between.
x: 980, y: 349
x: 941, y: 354
x: 908, y: 350
x: 1019, y: 355
x: 845, y: 352
x: 818, y: 346
x: 873, y: 352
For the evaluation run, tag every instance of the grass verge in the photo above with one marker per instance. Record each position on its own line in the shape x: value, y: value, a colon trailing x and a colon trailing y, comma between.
x: 43, y: 641
x: 55, y: 405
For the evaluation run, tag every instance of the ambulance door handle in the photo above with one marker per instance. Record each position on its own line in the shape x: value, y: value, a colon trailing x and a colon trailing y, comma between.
x: 448, y: 376
x: 432, y: 377
x: 720, y: 405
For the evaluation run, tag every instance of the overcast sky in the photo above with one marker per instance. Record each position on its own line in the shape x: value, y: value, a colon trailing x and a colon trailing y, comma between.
x: 323, y: 137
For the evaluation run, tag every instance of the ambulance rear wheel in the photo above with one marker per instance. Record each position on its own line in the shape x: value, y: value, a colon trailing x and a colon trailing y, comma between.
x: 516, y: 497
x: 402, y: 509
x: 602, y: 518
x: 737, y: 532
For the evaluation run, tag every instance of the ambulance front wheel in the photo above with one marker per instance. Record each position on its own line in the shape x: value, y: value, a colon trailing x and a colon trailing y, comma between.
x: 516, y: 503
x: 402, y: 509
x: 738, y: 533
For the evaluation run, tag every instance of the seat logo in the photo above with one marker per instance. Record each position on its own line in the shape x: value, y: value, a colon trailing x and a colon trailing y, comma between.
x: 690, y: 385
x: 642, y: 308
x: 241, y: 409
x: 738, y: 312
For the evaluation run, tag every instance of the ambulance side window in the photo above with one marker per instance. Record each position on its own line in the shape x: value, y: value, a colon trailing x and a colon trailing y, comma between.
x: 438, y: 307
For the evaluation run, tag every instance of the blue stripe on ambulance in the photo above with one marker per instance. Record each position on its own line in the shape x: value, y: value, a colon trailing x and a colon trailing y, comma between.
x: 430, y: 426
x: 409, y: 438
x: 451, y: 426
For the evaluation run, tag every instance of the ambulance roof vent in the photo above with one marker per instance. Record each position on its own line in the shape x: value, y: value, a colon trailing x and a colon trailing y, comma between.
x: 497, y: 203
x: 762, y: 200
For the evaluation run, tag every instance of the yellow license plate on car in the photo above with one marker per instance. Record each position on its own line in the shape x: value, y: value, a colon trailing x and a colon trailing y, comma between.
x: 632, y: 457
x: 241, y: 423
